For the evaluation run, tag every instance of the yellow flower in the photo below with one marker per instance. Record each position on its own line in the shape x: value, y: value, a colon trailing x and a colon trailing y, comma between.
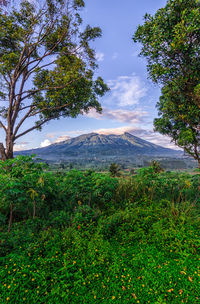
x: 7, y: 298
x: 113, y: 297
x: 8, y: 286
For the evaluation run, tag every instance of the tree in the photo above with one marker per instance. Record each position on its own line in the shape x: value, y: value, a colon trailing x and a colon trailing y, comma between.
x: 46, y: 67
x: 179, y: 119
x: 171, y: 43
x: 114, y: 170
x: 156, y: 166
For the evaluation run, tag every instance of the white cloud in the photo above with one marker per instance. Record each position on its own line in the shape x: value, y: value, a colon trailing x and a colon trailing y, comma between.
x: 99, y: 56
x: 20, y: 146
x: 62, y: 138
x: 45, y: 143
x: 121, y: 115
x: 127, y: 90
x: 115, y: 131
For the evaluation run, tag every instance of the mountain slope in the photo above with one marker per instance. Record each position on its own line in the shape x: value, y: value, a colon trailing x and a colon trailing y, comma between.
x: 98, y: 145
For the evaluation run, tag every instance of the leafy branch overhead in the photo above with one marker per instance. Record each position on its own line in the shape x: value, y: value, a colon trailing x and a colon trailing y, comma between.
x: 46, y: 66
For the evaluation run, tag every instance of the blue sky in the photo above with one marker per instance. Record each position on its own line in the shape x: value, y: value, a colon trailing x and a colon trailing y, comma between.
x: 130, y: 104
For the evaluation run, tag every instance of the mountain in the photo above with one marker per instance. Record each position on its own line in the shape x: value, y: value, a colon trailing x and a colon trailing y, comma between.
x: 98, y: 145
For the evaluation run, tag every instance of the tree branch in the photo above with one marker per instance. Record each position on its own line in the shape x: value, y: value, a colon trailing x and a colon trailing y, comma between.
x: 21, y: 121
x: 3, y: 126
x: 32, y: 92
x: 33, y: 128
x: 18, y: 101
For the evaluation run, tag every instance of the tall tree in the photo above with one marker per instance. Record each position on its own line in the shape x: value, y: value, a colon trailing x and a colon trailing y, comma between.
x: 46, y: 67
x: 179, y: 119
x: 171, y: 43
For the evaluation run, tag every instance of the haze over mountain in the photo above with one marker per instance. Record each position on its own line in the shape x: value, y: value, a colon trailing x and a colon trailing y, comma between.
x: 98, y: 145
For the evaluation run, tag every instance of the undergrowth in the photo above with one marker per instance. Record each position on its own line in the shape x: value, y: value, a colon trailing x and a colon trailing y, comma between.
x: 85, y: 237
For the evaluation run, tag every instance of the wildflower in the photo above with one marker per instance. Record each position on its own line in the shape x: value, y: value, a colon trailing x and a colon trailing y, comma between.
x: 170, y: 290
x: 113, y: 297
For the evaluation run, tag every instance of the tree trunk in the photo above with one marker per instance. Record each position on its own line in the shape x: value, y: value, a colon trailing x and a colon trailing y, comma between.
x: 2, y: 152
x: 8, y: 152
x: 199, y: 162
x: 9, y: 146
x: 11, y: 217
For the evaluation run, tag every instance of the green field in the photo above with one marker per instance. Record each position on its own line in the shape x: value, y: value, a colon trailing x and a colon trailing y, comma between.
x: 87, y: 237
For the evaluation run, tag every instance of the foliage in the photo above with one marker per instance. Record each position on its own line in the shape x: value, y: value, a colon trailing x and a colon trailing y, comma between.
x: 171, y: 42
x: 46, y: 66
x: 114, y: 170
x: 111, y: 240
x: 179, y: 119
x: 156, y: 166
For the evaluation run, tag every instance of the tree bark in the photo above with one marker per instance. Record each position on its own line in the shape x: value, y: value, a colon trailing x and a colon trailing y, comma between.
x: 2, y: 152
x: 199, y: 162
x: 9, y: 148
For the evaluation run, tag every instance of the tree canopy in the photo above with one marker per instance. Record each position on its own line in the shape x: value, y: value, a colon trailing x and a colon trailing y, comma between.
x: 171, y: 44
x: 46, y: 67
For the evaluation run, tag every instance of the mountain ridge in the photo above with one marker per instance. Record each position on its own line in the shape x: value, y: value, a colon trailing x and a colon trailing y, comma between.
x: 100, y: 145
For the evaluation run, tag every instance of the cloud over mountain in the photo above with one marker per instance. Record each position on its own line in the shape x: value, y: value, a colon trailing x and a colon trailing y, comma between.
x: 121, y: 115
x: 127, y: 90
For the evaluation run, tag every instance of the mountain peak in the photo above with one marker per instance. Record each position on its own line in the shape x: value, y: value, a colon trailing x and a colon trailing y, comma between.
x: 101, y: 146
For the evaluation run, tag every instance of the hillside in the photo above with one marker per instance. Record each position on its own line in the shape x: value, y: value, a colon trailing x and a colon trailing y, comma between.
x: 98, y: 145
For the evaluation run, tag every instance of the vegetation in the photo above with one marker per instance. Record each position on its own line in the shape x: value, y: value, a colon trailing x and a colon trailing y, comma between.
x: 82, y: 236
x: 171, y: 44
x: 46, y: 67
x: 86, y: 237
x: 114, y: 170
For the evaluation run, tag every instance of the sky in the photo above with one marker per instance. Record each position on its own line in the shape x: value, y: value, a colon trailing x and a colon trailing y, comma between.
x: 130, y: 105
